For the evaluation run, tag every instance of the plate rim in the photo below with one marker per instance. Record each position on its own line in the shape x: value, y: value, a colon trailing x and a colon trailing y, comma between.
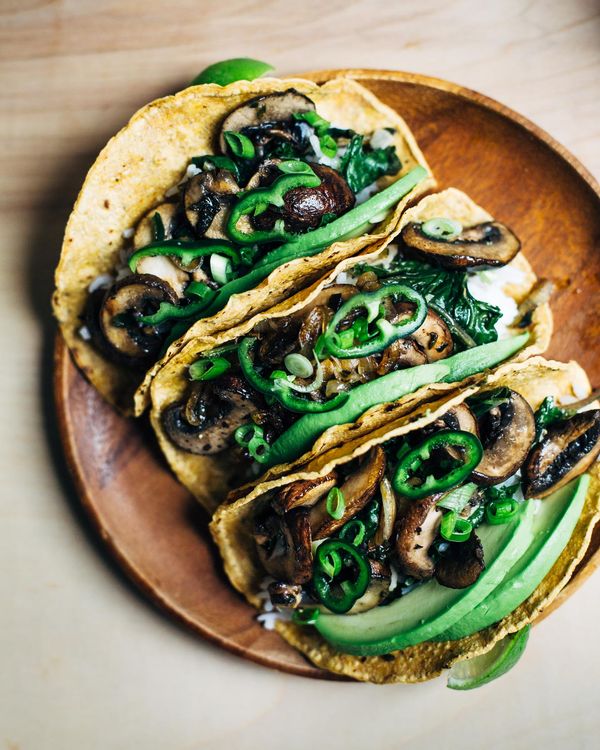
x: 62, y: 360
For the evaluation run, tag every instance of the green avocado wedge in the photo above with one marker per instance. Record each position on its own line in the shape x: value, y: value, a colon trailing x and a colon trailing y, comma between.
x: 553, y: 523
x: 300, y: 437
x: 235, y: 69
x: 431, y: 608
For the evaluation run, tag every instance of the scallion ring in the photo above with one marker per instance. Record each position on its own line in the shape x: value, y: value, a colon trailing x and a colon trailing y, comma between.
x: 220, y: 268
x: 335, y: 503
x: 353, y: 532
x: 251, y: 437
x: 305, y: 615
x: 295, y: 166
x: 444, y: 230
x: 454, y: 528
x: 299, y: 365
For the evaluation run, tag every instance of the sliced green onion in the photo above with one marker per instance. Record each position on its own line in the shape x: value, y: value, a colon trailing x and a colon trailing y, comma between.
x: 328, y: 145
x: 305, y: 615
x: 220, y: 268
x: 235, y: 69
x: 345, y: 339
x: 331, y: 563
x: 299, y: 365
x: 442, y: 229
x: 251, y: 437
x: 208, y: 368
x: 295, y: 166
x: 454, y: 528
x: 198, y: 289
x: 353, y: 532
x: 279, y: 375
x: 501, y: 511
x: 320, y: 124
x: 239, y: 144
x: 458, y: 498
x: 335, y: 503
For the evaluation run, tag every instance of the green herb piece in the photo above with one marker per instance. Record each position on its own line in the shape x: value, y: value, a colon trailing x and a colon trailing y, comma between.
x: 320, y: 124
x: 217, y: 162
x: 547, y: 414
x: 295, y: 166
x: 208, y: 368
x: 328, y: 145
x: 235, y: 69
x: 158, y: 228
x: 361, y: 166
x: 482, y: 403
x: 239, y: 144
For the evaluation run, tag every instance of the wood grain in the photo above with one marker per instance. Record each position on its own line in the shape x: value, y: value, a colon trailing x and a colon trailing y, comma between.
x: 504, y: 162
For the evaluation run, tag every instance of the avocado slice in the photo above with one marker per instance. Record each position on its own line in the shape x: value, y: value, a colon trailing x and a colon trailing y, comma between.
x: 431, y: 608
x: 553, y: 524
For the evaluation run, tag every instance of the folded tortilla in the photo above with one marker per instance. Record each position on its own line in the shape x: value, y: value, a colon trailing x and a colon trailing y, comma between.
x: 232, y: 531
x: 147, y: 157
x: 209, y: 478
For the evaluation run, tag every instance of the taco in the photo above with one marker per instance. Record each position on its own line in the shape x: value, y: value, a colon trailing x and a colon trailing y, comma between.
x: 433, y: 537
x: 217, y: 203
x: 380, y: 332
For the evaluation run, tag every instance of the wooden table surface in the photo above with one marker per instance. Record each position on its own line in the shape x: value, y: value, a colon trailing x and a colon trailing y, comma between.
x: 86, y: 662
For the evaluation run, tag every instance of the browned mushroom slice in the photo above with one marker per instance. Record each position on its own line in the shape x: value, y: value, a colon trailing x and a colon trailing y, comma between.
x: 433, y: 337
x: 461, y: 564
x: 305, y: 493
x: 284, y: 594
x: 568, y: 449
x: 487, y: 244
x: 127, y: 339
x: 507, y: 432
x: 417, y: 529
x: 205, y: 422
x: 387, y: 514
x: 144, y: 233
x: 378, y: 589
x: 358, y: 489
x: 304, y: 207
x: 207, y: 199
x: 402, y: 353
x: 271, y: 110
x: 284, y: 546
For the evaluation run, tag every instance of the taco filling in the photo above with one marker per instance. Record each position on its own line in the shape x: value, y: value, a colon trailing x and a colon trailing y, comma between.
x: 434, y: 534
x: 285, y: 184
x: 398, y: 313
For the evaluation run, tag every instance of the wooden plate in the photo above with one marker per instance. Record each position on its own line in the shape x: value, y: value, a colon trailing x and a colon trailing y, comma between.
x: 507, y: 164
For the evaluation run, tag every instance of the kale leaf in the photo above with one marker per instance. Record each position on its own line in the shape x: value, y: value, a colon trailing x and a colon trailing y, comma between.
x: 483, y: 402
x: 362, y: 165
x: 446, y: 291
x: 547, y: 414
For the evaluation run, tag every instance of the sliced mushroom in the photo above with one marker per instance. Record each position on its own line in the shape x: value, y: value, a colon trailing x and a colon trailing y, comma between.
x: 288, y: 595
x: 304, y: 207
x: 401, y: 354
x: 433, y: 337
x: 305, y: 493
x: 205, y: 422
x: 387, y: 514
x: 378, y: 589
x: 568, y: 449
x: 163, y: 268
x: 490, y: 244
x: 284, y: 546
x: 539, y: 294
x: 417, y: 529
x: 460, y: 417
x: 127, y: 339
x: 144, y: 233
x: 207, y: 199
x: 271, y: 110
x: 358, y: 489
x: 507, y: 432
x: 461, y: 564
